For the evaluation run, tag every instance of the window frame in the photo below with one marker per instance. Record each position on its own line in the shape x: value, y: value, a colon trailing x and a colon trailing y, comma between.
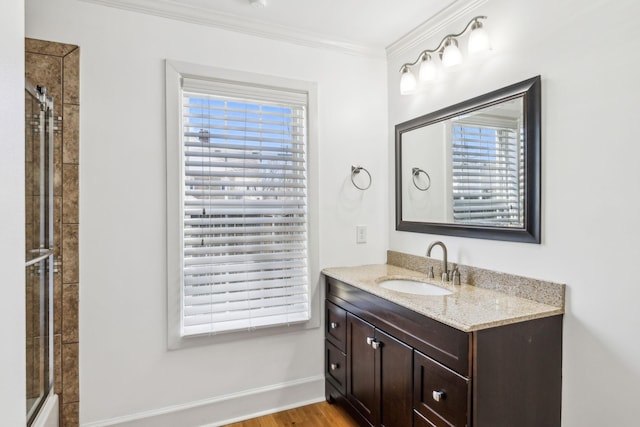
x: 175, y: 72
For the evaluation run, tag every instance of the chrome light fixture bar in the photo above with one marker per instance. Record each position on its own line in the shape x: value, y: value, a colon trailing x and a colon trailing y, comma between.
x: 448, y: 52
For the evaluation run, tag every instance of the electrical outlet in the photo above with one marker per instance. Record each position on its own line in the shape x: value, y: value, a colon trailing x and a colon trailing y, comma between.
x: 361, y: 234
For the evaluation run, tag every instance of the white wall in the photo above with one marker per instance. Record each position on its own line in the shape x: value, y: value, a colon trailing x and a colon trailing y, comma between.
x: 586, y: 53
x: 125, y: 368
x: 12, y: 304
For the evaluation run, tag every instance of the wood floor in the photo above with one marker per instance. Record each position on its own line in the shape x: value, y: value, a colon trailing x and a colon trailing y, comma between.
x: 317, y: 415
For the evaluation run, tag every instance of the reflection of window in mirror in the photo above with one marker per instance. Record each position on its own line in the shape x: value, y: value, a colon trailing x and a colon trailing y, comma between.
x: 487, y: 165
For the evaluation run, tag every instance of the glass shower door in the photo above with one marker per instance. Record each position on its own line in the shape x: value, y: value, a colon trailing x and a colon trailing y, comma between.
x: 39, y: 247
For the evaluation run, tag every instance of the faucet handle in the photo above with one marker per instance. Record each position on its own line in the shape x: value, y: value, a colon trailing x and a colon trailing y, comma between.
x: 430, y: 273
x: 455, y: 276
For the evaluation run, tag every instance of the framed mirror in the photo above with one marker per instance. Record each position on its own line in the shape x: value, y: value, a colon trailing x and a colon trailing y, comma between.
x: 473, y: 169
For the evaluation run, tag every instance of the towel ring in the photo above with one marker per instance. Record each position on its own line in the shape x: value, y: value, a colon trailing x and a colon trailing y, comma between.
x: 416, y: 172
x: 355, y: 170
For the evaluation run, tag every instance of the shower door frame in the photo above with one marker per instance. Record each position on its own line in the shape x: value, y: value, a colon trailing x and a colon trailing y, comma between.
x: 41, y: 259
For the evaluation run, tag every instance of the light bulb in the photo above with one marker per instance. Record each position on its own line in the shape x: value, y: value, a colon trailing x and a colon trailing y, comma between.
x: 478, y: 39
x: 451, y: 55
x: 428, y: 70
x: 407, y: 81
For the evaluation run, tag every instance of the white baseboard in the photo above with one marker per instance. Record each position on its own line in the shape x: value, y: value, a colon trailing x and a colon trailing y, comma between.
x: 226, y: 409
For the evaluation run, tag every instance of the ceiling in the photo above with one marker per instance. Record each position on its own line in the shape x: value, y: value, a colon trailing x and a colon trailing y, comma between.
x: 363, y: 26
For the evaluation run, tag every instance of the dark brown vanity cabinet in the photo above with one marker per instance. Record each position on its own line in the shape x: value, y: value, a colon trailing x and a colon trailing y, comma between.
x: 392, y: 367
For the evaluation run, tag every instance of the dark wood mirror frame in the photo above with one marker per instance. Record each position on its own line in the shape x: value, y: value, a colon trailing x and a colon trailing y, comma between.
x: 530, y: 91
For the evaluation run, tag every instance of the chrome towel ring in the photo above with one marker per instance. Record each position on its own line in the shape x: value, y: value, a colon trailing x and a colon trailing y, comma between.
x: 355, y: 170
x: 416, y: 173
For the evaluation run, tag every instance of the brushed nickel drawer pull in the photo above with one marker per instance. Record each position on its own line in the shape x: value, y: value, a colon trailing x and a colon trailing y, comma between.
x: 334, y: 366
x: 334, y: 325
x: 438, y: 395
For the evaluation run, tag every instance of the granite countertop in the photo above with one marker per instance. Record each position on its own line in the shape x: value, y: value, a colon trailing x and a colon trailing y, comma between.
x: 469, y: 308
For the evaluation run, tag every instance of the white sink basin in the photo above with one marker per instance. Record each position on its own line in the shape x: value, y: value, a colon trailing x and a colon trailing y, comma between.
x: 413, y: 287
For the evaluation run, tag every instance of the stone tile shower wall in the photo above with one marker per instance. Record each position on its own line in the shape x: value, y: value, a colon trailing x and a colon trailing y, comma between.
x: 56, y: 66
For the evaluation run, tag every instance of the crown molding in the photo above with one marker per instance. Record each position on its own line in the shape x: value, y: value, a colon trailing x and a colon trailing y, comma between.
x: 435, y: 25
x: 173, y: 10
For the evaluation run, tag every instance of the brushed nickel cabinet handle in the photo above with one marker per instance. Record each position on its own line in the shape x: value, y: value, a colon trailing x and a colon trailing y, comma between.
x: 438, y: 395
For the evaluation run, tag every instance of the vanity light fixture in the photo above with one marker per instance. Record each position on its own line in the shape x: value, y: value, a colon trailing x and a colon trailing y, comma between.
x: 451, y: 54
x: 478, y: 39
x: 428, y: 69
x: 407, y: 81
x: 448, y: 52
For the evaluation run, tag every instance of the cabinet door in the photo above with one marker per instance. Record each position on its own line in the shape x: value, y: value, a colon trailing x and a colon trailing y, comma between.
x: 361, y: 376
x: 395, y: 361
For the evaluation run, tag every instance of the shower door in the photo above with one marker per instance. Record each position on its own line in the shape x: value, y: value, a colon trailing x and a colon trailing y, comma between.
x: 39, y: 128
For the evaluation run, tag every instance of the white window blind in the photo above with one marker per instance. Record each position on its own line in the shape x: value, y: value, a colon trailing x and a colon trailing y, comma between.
x: 488, y: 172
x: 245, y: 207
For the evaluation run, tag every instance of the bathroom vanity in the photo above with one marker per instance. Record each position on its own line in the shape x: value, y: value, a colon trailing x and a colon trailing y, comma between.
x: 476, y: 357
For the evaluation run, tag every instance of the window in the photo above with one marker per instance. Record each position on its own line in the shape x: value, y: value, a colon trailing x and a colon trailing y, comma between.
x: 488, y: 173
x: 243, y: 205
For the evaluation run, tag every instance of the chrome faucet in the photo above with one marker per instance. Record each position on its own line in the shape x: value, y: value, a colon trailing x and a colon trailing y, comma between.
x: 445, y: 271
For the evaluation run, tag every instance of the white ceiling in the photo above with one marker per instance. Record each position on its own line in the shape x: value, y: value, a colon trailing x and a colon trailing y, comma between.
x: 363, y: 26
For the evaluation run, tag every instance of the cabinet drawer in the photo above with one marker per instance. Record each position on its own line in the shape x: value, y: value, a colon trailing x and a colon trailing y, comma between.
x: 439, y: 394
x: 336, y: 327
x: 336, y: 367
x: 420, y: 421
